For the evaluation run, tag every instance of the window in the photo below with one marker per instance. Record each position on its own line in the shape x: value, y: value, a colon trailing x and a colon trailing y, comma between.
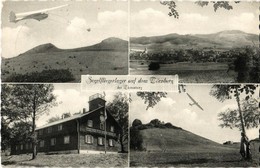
x: 53, y: 141
x: 111, y: 142
x: 102, y: 126
x: 26, y: 146
x: 49, y: 130
x: 90, y: 123
x: 60, y: 127
x: 100, y: 141
x: 66, y: 139
x: 40, y: 132
x: 89, y: 139
x: 41, y: 143
x: 112, y: 128
x: 21, y: 147
x: 16, y: 147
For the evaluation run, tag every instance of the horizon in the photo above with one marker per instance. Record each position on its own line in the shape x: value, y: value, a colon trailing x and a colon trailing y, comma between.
x: 49, y: 43
x: 150, y: 18
x: 196, y: 34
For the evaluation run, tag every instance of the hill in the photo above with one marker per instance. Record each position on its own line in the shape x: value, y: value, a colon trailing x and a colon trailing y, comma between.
x: 109, y: 57
x: 221, y: 40
x: 174, y: 140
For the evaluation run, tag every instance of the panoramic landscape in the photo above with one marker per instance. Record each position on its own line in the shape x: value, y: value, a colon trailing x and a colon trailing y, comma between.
x: 58, y: 42
x: 47, y: 63
x: 208, y: 50
x: 196, y: 127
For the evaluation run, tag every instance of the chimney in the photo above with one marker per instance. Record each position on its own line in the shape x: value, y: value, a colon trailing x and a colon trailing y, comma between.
x: 96, y: 101
x: 84, y: 110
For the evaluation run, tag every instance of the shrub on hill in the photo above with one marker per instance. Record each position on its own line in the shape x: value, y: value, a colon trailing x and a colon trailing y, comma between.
x: 54, y: 75
x: 155, y: 123
x: 136, y: 139
x: 136, y: 123
x: 154, y: 66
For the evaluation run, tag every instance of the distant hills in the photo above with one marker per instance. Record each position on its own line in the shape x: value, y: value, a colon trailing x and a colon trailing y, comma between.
x: 111, y: 43
x: 225, y: 40
x: 109, y: 57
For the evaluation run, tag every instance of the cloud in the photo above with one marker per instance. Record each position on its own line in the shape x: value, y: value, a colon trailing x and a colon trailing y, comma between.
x: 112, y: 17
x: 77, y: 24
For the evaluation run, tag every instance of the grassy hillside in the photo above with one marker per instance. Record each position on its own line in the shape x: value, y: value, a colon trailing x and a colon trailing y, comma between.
x: 171, y: 140
x: 176, y: 147
x: 105, y: 58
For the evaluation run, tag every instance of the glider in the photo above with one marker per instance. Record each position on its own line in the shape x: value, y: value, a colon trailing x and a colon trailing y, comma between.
x: 194, y: 102
x: 37, y: 15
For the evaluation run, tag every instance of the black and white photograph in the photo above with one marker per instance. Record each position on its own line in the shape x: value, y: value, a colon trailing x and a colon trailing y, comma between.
x: 57, y: 125
x: 130, y: 83
x: 58, y: 41
x: 202, y: 42
x: 201, y: 126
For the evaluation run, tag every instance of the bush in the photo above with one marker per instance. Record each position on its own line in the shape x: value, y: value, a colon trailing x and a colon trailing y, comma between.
x: 154, y: 66
x: 55, y: 75
x: 136, y: 139
x: 136, y: 123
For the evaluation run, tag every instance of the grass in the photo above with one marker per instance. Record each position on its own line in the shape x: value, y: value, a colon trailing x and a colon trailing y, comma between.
x: 219, y: 158
x: 174, y: 147
x: 188, y: 72
x: 79, y: 63
x: 67, y: 160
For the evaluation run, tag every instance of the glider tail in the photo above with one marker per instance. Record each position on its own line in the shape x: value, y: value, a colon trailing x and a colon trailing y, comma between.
x: 12, y: 17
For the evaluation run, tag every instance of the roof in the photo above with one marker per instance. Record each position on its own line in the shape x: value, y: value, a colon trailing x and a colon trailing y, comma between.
x: 68, y: 119
x: 255, y: 140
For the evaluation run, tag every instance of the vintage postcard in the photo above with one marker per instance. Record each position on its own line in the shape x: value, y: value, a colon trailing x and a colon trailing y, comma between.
x: 130, y: 83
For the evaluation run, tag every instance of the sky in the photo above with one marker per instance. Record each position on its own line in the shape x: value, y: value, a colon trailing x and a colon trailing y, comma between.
x: 65, y: 27
x: 150, y: 18
x: 176, y: 110
x: 70, y: 98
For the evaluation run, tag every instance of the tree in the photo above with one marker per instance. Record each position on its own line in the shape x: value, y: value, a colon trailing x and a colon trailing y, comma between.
x: 136, y: 139
x: 216, y: 4
x: 224, y: 92
x: 119, y: 109
x: 57, y: 118
x: 151, y: 98
x: 53, y: 119
x: 230, y: 118
x: 23, y: 104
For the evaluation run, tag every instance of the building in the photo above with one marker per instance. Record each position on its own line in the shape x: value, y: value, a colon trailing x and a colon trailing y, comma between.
x: 81, y: 133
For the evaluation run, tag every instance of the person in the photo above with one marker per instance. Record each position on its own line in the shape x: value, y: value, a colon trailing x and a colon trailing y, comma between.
x: 244, y: 146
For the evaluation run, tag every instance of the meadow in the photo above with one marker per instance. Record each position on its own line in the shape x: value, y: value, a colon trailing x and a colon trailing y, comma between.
x: 78, y: 63
x: 217, y: 158
x: 67, y: 160
x: 188, y: 72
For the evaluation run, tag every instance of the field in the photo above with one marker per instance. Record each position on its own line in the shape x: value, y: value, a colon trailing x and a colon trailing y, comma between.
x: 67, y: 160
x: 175, y: 147
x: 217, y: 158
x: 79, y: 63
x: 188, y: 72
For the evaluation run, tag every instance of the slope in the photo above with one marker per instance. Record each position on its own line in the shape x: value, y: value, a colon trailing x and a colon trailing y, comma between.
x: 176, y: 140
x: 104, y: 58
